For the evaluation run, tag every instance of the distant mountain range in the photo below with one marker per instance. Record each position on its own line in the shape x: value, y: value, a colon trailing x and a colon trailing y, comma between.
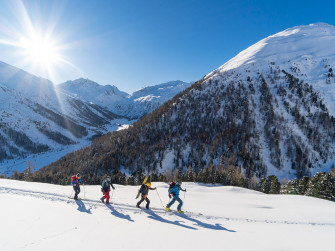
x: 269, y: 110
x: 133, y: 106
x: 38, y: 117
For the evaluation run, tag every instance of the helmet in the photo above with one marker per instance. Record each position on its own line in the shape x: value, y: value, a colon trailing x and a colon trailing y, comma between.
x: 148, y: 184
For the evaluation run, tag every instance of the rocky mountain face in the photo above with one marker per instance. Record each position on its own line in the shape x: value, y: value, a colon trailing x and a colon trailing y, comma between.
x: 269, y: 110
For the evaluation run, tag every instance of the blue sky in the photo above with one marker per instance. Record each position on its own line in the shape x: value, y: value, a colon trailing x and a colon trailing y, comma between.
x: 132, y: 43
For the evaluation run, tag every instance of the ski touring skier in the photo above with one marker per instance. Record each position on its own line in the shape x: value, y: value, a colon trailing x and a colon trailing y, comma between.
x: 174, y: 191
x: 76, y: 182
x: 105, y: 189
x: 144, y: 190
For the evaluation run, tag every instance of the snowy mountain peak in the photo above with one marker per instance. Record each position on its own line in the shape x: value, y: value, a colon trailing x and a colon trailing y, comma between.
x: 86, y: 89
x: 306, y: 41
x: 24, y: 82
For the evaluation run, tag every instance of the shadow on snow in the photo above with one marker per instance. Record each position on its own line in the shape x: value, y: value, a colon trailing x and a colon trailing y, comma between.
x: 118, y: 214
x: 203, y: 224
x: 82, y: 207
x: 155, y: 216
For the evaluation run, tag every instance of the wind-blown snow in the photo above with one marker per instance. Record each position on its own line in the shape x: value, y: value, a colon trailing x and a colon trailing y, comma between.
x: 41, y: 217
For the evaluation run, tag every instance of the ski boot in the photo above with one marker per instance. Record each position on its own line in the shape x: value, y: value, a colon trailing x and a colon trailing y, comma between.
x: 179, y: 211
x: 167, y: 209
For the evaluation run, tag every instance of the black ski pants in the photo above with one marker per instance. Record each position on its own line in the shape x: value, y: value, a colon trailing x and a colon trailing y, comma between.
x: 142, y: 199
x: 76, y: 189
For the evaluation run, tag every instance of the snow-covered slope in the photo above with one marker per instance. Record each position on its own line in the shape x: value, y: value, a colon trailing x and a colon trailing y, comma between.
x: 26, y: 83
x: 41, y: 217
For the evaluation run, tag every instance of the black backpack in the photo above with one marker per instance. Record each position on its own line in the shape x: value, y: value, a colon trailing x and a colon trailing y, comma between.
x: 104, y: 186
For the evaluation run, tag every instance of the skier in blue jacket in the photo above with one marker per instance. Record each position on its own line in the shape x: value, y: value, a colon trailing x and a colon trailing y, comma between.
x: 174, y: 191
x: 75, y: 181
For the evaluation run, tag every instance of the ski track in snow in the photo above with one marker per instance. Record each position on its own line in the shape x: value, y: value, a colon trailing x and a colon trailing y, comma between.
x: 130, y: 208
x: 39, y: 216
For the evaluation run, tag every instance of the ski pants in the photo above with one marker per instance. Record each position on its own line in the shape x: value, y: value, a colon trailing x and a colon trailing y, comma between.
x: 142, y: 199
x: 76, y: 189
x: 175, y: 198
x: 106, y: 196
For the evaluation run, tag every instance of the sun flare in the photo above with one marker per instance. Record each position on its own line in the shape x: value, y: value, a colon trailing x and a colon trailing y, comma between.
x: 40, y: 51
x: 37, y: 46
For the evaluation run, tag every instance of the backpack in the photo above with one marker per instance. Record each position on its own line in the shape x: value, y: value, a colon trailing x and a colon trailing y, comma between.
x: 73, y: 178
x: 104, y: 186
x: 172, y: 184
x: 143, y: 189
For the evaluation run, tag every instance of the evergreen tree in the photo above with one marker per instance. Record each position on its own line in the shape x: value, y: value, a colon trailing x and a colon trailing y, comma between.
x: 321, y: 186
x: 303, y: 185
x: 264, y: 185
x: 292, y: 186
x: 274, y: 184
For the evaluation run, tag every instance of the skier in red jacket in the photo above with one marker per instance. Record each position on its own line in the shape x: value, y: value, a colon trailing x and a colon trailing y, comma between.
x: 105, y: 188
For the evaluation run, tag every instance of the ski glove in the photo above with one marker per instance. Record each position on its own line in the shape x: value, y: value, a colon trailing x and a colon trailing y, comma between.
x: 170, y: 196
x: 185, y: 190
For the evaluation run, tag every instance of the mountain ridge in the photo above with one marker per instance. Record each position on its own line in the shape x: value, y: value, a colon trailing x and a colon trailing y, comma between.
x: 263, y: 117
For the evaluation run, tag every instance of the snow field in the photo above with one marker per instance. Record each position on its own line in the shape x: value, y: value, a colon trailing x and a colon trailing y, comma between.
x: 37, y: 216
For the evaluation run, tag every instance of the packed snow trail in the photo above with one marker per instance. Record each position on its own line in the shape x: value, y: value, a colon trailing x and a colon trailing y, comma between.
x: 36, y: 216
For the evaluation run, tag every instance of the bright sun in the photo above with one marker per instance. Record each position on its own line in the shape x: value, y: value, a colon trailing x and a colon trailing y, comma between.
x: 37, y: 47
x: 40, y: 51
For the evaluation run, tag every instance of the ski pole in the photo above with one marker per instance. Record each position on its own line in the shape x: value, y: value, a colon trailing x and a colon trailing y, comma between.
x: 112, y: 196
x: 84, y: 192
x: 183, y: 199
x: 159, y: 198
x: 69, y: 197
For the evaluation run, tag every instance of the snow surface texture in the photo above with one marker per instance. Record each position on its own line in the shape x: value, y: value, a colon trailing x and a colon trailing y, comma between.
x: 42, y: 217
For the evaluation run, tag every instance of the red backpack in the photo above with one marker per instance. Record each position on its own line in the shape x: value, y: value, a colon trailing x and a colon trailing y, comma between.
x: 74, y: 177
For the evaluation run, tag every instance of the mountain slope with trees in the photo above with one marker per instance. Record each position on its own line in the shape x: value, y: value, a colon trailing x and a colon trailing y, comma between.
x: 269, y: 110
